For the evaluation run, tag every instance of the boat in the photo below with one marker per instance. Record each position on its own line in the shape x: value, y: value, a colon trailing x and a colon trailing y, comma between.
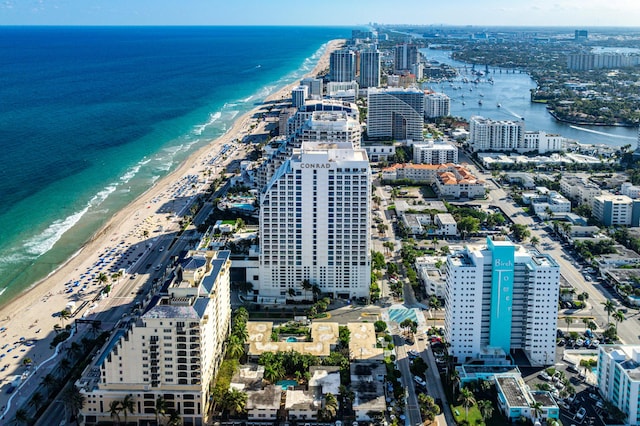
x: 499, y: 105
x: 480, y: 102
x: 464, y: 103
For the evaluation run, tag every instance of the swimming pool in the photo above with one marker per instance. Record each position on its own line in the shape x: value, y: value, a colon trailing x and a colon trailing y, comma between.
x: 285, y: 384
x: 291, y: 340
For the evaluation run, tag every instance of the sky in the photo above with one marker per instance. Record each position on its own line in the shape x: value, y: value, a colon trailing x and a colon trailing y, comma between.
x: 566, y: 13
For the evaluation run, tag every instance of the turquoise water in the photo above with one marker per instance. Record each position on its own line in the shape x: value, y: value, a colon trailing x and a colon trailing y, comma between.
x: 92, y: 117
x: 292, y: 339
x: 284, y: 384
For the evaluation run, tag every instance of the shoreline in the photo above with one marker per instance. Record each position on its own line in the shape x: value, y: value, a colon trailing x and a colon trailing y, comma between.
x: 586, y: 123
x: 34, y: 307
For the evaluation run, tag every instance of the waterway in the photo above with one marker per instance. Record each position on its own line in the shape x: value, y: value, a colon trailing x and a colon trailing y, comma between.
x: 511, y: 90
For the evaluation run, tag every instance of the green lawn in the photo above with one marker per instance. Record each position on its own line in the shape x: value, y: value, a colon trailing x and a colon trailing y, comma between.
x: 474, y: 414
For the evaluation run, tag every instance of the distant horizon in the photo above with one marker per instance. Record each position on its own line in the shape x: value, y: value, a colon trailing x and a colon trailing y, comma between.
x: 489, y: 13
x: 354, y: 26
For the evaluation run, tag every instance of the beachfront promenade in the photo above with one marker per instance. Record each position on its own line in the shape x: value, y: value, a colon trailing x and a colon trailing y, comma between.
x: 128, y: 254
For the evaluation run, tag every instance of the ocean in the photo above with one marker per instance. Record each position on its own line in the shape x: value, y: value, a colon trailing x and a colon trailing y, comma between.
x: 91, y: 117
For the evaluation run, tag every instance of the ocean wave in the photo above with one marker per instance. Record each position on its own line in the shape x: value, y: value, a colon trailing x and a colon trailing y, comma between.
x: 247, y: 99
x: 233, y: 114
x: 212, y: 119
x: 229, y: 105
x: 102, y: 195
x: 43, y: 242
x: 12, y: 259
x: 611, y: 135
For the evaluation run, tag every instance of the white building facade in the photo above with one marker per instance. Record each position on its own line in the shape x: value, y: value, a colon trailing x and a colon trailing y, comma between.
x: 501, y: 298
x: 490, y: 135
x: 612, y: 210
x: 315, y: 223
x: 437, y: 152
x: 618, y: 377
x: 395, y: 113
x: 436, y: 105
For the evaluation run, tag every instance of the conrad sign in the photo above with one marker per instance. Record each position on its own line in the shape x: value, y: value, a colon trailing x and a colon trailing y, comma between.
x: 315, y: 165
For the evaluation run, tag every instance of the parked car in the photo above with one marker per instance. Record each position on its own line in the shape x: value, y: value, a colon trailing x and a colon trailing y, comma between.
x: 573, y: 369
x: 544, y: 376
x: 581, y: 413
x: 419, y: 381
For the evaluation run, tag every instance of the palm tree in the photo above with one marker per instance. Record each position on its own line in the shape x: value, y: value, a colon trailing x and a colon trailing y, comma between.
x: 174, y: 419
x: 609, y: 308
x: 273, y: 372
x: 64, y: 315
x: 618, y: 317
x: 114, y: 409
x: 21, y: 417
x: 331, y: 404
x: 240, y: 331
x: 534, y: 241
x: 96, y: 326
x: 235, y: 347
x: 569, y: 321
x: 36, y: 400
x: 486, y: 409
x: 64, y: 365
x: 128, y: 406
x: 241, y: 314
x: 467, y: 399
x: 102, y: 278
x: 49, y: 381
x: 306, y: 285
x: 73, y: 400
x: 536, y: 410
x: 161, y: 408
x: 586, y: 322
x: 235, y: 401
x: 291, y: 292
x: 455, y: 379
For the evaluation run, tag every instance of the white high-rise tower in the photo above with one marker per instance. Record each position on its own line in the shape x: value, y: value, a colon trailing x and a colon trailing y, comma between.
x: 315, y: 224
x: 501, y: 298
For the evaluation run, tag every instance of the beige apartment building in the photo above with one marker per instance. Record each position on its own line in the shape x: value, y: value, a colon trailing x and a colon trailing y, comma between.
x: 173, y: 350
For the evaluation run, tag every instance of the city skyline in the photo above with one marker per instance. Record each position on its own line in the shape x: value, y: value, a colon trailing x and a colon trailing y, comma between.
x: 563, y: 13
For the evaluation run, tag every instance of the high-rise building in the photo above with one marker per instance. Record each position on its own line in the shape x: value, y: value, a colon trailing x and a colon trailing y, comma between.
x: 436, y: 105
x: 437, y: 152
x: 315, y: 224
x: 405, y: 55
x: 305, y: 112
x: 173, y: 350
x: 501, y: 298
x: 342, y: 65
x: 619, y: 379
x: 395, y: 113
x: 612, y: 210
x: 314, y: 85
x: 299, y: 95
x: 489, y: 135
x: 370, y: 68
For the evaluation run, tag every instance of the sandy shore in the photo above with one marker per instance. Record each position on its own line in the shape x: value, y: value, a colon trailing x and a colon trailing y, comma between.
x: 119, y: 243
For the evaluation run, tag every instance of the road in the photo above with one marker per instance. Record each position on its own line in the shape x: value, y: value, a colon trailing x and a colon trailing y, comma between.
x: 411, y: 410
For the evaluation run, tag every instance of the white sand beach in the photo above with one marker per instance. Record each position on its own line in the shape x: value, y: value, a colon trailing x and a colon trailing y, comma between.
x: 32, y: 316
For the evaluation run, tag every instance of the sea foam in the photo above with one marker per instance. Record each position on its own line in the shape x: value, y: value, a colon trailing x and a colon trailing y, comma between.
x: 44, y: 241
